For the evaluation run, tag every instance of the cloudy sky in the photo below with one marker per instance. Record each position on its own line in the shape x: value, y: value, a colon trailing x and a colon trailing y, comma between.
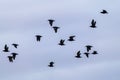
x: 21, y: 20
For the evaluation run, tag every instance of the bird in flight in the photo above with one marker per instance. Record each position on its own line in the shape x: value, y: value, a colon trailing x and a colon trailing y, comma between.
x: 78, y: 55
x: 14, y: 55
x: 6, y: 48
x: 15, y: 45
x: 51, y: 21
x: 38, y: 37
x: 56, y: 28
x: 104, y: 12
x: 62, y: 42
x: 10, y: 58
x: 51, y: 64
x: 87, y: 54
x: 93, y: 24
x: 88, y: 47
x: 94, y: 52
x: 71, y: 38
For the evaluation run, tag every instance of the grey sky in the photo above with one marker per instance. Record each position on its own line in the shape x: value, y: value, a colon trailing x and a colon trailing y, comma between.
x: 21, y: 20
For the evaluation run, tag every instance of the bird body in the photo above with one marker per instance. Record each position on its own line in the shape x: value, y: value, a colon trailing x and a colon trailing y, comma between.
x: 71, y: 38
x: 78, y: 55
x: 38, y: 37
x: 6, y: 48
x: 51, y: 64
x: 94, y: 52
x: 62, y: 42
x: 88, y: 47
x: 93, y: 24
x: 10, y: 58
x: 104, y: 12
x: 15, y: 45
x: 56, y: 28
x: 87, y: 54
x: 51, y: 21
x: 14, y: 55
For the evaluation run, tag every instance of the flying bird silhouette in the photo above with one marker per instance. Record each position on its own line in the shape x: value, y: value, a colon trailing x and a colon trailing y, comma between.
x: 62, y: 42
x: 6, y: 48
x: 93, y: 24
x: 15, y: 45
x: 38, y: 37
x: 71, y: 38
x: 14, y: 55
x: 10, y: 58
x: 51, y: 21
x: 104, y: 12
x: 88, y: 47
x: 87, y: 54
x: 78, y: 55
x: 94, y: 52
x: 56, y: 28
x: 51, y: 64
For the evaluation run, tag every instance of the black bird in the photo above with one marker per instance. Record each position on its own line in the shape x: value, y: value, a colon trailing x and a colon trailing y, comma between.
x: 62, y: 42
x: 94, y: 52
x: 6, y: 48
x: 93, y: 24
x: 15, y: 45
x: 14, y: 55
x: 104, y: 12
x: 51, y: 64
x: 51, y: 21
x: 71, y: 38
x: 87, y: 54
x: 78, y: 55
x: 38, y: 37
x: 10, y: 58
x: 88, y: 47
x: 56, y: 28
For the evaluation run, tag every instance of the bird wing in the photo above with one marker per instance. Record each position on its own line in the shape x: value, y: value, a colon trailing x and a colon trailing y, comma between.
x: 71, y: 36
x: 78, y: 53
x: 6, y: 47
x: 92, y: 21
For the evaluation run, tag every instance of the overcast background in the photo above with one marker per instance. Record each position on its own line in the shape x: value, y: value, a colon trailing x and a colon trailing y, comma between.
x: 21, y: 20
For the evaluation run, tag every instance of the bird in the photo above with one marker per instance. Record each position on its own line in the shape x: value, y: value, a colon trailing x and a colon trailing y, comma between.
x: 104, y: 12
x: 51, y: 64
x: 71, y: 38
x: 38, y: 37
x: 51, y: 21
x: 94, y: 52
x: 14, y: 55
x: 93, y: 24
x: 15, y: 45
x: 6, y: 48
x: 62, y: 42
x: 88, y: 47
x: 78, y: 55
x: 56, y: 28
x: 87, y: 54
x: 10, y: 58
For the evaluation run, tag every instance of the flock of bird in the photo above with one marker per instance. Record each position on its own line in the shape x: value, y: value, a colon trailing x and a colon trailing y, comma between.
x: 13, y: 55
x: 61, y: 43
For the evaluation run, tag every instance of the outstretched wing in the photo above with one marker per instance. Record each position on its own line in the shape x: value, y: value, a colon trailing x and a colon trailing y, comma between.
x: 78, y: 53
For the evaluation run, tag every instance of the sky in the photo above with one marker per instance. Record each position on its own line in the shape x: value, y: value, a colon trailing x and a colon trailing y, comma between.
x: 21, y: 20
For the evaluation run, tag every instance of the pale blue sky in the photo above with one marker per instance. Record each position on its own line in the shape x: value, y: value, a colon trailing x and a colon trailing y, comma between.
x: 21, y: 20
